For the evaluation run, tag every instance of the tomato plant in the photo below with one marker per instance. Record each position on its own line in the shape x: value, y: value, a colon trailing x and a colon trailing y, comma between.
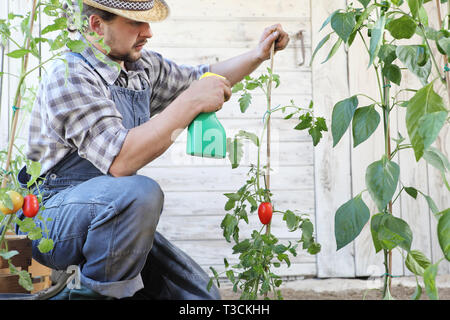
x: 263, y: 252
x: 13, y: 159
x: 388, y: 25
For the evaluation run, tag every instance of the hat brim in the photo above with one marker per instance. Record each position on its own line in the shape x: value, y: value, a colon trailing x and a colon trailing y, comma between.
x: 159, y: 12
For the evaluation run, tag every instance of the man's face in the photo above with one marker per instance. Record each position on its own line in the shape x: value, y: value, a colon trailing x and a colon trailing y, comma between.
x: 126, y: 38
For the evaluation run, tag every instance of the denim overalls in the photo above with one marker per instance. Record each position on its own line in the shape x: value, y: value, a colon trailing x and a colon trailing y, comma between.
x: 107, y: 225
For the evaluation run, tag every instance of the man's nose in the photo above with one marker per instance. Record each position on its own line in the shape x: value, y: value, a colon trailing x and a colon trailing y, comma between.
x: 146, y: 31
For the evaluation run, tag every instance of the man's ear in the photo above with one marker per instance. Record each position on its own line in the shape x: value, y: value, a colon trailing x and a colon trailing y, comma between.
x: 96, y: 24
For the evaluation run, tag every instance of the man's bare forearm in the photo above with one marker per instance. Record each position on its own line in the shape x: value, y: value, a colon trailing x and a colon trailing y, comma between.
x: 236, y: 68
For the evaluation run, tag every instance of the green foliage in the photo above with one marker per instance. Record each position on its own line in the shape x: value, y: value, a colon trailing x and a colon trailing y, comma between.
x: 260, y: 254
x: 53, y: 38
x: 387, y: 24
x: 350, y: 218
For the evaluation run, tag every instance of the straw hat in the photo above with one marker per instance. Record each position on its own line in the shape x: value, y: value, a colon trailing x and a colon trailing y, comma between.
x: 138, y: 10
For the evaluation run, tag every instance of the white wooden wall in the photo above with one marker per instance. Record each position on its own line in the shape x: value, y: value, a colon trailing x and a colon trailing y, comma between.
x: 206, y: 31
x: 315, y: 181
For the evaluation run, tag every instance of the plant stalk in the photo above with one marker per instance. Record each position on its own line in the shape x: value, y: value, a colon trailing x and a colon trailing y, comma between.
x: 18, y: 97
x: 387, y: 142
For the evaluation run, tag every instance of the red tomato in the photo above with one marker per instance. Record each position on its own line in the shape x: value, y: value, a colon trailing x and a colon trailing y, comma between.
x: 265, y: 212
x: 30, y: 206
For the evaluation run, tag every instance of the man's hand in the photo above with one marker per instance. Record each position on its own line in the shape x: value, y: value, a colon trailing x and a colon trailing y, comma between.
x: 208, y: 94
x: 271, y: 34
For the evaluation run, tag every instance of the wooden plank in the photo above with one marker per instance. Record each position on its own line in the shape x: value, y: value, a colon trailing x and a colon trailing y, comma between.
x: 210, y: 178
x: 212, y: 252
x: 23, y: 246
x: 287, y: 60
x: 238, y: 8
x: 213, y: 202
x: 288, y: 153
x: 332, y: 165
x: 207, y: 227
x: 234, y: 32
x: 10, y: 284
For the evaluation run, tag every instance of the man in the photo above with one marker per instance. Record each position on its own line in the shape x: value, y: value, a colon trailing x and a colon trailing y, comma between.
x: 93, y: 130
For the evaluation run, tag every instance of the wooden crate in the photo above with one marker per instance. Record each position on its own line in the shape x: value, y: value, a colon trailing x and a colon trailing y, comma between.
x: 39, y: 273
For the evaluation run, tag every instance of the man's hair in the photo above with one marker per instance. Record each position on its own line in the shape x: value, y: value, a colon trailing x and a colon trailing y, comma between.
x: 105, y: 15
x: 87, y: 12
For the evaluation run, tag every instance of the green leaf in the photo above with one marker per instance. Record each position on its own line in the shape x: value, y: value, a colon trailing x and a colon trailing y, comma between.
x: 443, y: 230
x: 45, y: 245
x: 76, y: 45
x: 437, y: 159
x: 429, y: 278
x: 342, y: 116
x: 249, y: 135
x: 343, y: 24
x: 333, y: 50
x: 376, y: 39
x: 365, y: 122
x: 364, y: 2
x: 316, y: 135
x: 417, y: 262
x: 327, y: 20
x: 19, y: 53
x: 402, y: 28
x: 349, y: 220
x: 8, y: 254
x: 291, y: 220
x: 417, y: 293
x: 307, y: 233
x: 444, y: 44
x: 59, y: 24
x: 237, y: 87
x: 229, y: 224
x: 407, y: 54
x: 25, y: 280
x: 244, y: 101
x: 242, y: 246
x: 5, y: 199
x: 305, y: 122
x: 394, y: 232
x: 414, y: 6
x: 419, y: 121
x: 431, y: 204
x: 387, y: 53
x: 381, y: 181
x: 235, y: 151
x: 411, y: 191
x: 393, y: 73
x: 430, y: 125
x: 229, y: 205
x: 375, y: 224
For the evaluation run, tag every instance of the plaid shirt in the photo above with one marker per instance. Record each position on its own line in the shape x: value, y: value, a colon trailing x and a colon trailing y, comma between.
x: 77, y: 113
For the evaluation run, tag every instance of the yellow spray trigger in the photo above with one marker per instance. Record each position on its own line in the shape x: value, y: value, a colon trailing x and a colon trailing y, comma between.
x: 206, y: 135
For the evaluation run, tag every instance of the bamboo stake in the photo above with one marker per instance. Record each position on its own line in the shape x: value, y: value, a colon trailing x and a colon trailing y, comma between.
x: 269, y: 109
x: 18, y: 98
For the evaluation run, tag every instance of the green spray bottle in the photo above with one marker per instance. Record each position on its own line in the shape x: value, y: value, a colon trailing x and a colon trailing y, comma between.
x: 206, y: 136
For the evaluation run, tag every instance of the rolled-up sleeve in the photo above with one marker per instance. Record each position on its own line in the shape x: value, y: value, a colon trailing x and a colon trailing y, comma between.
x: 82, y: 116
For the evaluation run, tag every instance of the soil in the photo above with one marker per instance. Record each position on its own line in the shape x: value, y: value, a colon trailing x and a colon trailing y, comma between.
x: 348, y: 289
